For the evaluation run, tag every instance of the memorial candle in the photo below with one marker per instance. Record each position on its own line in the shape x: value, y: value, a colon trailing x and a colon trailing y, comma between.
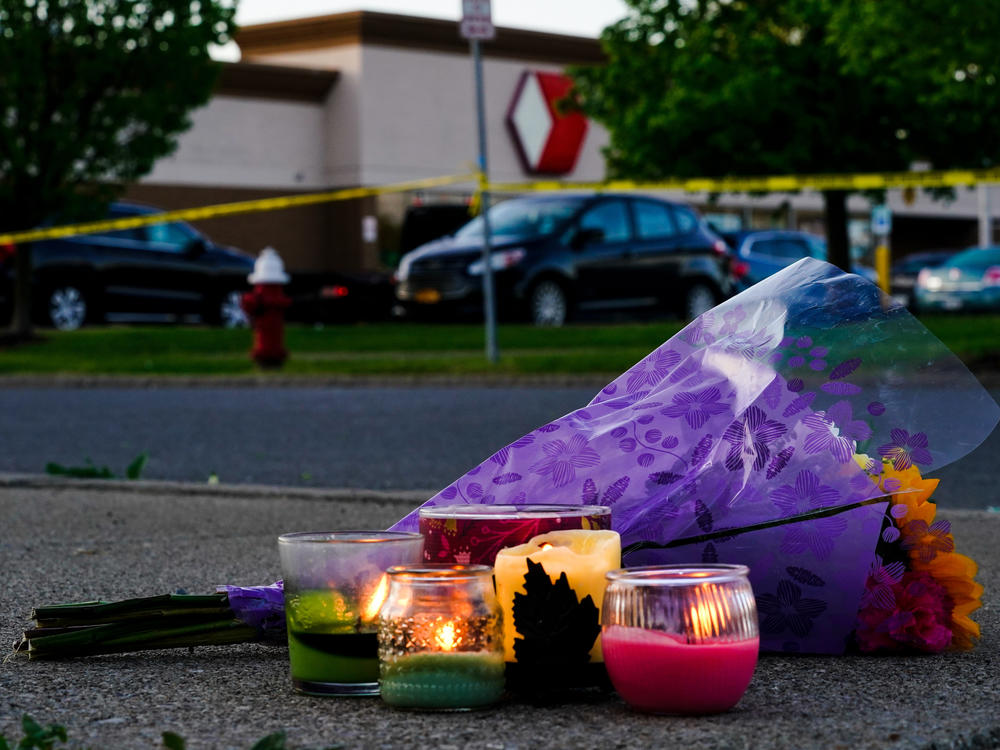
x: 471, y: 534
x: 439, y: 638
x: 584, y: 556
x: 680, y: 639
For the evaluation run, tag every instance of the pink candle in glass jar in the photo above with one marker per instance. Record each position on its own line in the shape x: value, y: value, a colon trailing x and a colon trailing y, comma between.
x: 680, y: 639
x: 660, y: 672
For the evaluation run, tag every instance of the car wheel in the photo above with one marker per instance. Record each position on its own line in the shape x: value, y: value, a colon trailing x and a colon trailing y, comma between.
x: 549, y: 305
x: 698, y: 300
x: 231, y: 313
x: 66, y: 307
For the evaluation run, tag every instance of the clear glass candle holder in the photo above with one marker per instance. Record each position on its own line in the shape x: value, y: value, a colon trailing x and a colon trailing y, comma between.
x: 440, y: 638
x: 680, y: 639
x: 335, y: 584
x: 474, y: 534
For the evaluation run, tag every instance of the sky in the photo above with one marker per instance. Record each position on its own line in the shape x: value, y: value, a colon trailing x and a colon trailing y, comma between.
x: 575, y: 17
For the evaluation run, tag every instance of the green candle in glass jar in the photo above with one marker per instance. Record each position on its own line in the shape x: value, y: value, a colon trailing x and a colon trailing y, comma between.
x: 443, y: 680
x: 440, y: 641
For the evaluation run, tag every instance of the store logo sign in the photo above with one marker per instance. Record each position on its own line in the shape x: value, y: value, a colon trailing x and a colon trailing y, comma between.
x: 547, y: 140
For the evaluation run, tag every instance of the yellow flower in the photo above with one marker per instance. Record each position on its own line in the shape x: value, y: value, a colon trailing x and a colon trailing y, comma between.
x: 954, y: 572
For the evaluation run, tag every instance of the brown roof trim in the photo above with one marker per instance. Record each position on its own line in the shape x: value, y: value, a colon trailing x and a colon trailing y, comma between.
x: 367, y: 27
x: 260, y: 81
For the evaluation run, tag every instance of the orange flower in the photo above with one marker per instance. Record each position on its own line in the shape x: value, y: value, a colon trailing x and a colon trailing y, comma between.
x: 954, y: 572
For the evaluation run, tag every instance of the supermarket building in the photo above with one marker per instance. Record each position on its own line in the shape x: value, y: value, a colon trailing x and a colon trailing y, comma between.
x: 368, y: 99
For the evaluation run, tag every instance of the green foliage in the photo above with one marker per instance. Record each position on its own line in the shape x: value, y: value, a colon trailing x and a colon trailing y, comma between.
x: 90, y: 471
x: 93, y: 92
x: 37, y: 737
x: 716, y: 88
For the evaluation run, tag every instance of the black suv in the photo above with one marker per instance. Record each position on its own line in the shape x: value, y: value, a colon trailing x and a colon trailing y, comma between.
x: 554, y: 254
x: 150, y: 273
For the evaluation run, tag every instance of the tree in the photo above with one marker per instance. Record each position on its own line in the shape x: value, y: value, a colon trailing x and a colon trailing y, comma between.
x: 741, y: 87
x: 92, y: 93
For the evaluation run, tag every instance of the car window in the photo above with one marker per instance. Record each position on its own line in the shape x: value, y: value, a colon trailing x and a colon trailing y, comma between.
x: 653, y: 220
x: 686, y: 219
x: 133, y: 235
x: 611, y: 218
x: 782, y: 249
x: 522, y: 218
x: 172, y: 236
x: 792, y: 249
x: 976, y: 258
x: 817, y: 248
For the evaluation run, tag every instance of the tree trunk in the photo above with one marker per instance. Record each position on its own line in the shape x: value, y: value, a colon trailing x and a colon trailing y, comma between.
x: 838, y: 246
x: 20, y: 324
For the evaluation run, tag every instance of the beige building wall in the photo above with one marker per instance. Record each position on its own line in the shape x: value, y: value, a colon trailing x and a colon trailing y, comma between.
x: 250, y: 143
x: 418, y: 115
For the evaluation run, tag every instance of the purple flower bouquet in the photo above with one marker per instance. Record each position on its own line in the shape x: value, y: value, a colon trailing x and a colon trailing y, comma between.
x: 757, y: 435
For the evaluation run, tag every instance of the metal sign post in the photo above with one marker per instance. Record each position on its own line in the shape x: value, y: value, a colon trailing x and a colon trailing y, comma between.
x: 477, y: 24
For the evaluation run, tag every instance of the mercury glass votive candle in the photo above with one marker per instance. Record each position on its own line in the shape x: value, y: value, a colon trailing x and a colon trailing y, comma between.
x: 474, y: 534
x: 440, y: 640
x: 680, y: 639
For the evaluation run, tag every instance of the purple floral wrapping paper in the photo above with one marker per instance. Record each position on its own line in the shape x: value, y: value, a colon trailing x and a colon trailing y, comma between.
x: 261, y: 607
x: 735, y: 440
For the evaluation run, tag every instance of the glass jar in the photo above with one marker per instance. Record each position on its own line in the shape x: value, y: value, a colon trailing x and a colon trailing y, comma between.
x: 474, y: 534
x: 440, y: 638
x: 680, y: 639
x: 335, y: 584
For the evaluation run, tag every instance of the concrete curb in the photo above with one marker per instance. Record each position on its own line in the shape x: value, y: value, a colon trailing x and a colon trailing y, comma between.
x: 307, y: 381
x: 988, y: 379
x: 188, y: 489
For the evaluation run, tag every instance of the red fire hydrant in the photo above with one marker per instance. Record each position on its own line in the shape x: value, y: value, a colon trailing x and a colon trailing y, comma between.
x: 265, y: 306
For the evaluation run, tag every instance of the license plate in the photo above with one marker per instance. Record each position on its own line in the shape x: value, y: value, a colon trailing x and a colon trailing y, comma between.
x: 427, y: 296
x: 951, y: 303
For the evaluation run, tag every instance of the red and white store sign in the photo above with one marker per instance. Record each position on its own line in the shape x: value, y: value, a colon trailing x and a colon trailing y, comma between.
x: 549, y: 142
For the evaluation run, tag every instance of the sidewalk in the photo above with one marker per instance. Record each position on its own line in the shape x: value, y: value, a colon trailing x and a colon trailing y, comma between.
x: 63, y: 541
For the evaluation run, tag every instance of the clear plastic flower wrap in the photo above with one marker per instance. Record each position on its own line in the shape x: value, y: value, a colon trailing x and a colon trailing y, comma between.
x: 770, y: 432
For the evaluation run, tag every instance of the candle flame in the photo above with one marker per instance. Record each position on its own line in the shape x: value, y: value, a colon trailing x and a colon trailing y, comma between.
x: 705, y: 618
x: 378, y: 597
x: 446, y: 637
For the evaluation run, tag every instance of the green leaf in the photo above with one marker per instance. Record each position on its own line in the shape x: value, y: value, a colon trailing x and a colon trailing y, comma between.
x: 274, y: 741
x: 87, y: 471
x: 135, y: 468
x: 173, y: 741
x: 3, y: 743
x: 39, y: 737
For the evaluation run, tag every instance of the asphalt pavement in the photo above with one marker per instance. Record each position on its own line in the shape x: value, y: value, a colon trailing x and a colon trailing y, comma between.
x: 390, y: 437
x: 71, y: 541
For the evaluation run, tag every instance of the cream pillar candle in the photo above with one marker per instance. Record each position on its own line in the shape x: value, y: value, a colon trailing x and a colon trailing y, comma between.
x: 584, y: 556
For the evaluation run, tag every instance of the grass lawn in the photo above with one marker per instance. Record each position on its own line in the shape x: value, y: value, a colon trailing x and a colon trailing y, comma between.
x: 395, y: 348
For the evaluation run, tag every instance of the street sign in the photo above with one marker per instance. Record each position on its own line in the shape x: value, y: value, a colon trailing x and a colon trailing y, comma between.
x: 881, y: 221
x: 477, y: 20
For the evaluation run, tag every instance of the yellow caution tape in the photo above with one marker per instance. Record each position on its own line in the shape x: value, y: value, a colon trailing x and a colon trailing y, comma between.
x: 227, y: 209
x: 766, y: 184
x: 770, y: 184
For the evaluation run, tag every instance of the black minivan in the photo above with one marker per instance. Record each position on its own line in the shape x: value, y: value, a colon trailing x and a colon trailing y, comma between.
x: 555, y: 254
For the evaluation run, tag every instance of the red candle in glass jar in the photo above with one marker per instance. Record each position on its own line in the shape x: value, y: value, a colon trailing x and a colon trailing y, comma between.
x: 473, y: 534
